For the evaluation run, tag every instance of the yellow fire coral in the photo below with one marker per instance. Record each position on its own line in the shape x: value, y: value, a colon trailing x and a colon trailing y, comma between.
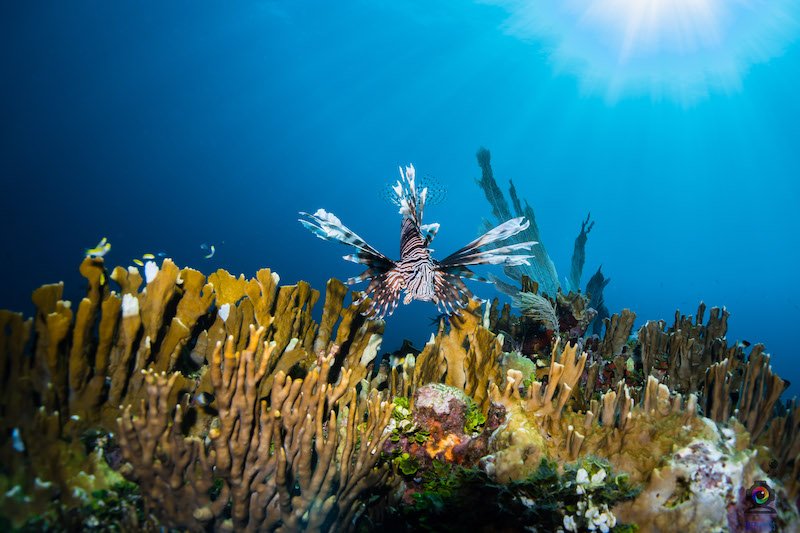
x: 291, y: 463
x: 124, y: 349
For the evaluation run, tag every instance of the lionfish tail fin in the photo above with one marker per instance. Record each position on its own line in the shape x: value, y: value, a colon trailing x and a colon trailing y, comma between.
x: 472, y: 253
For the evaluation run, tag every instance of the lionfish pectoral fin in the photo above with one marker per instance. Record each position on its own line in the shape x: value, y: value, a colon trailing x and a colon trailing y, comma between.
x: 450, y: 292
x: 385, y: 284
x: 384, y: 289
x: 327, y: 226
x: 475, y: 253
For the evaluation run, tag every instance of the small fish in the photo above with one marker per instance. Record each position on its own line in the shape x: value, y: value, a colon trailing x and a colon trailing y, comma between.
x: 211, y: 251
x: 100, y: 250
x: 204, y: 399
x: 417, y: 274
x: 148, y: 256
x: 398, y: 357
x: 16, y: 441
x: 162, y: 254
x: 138, y: 262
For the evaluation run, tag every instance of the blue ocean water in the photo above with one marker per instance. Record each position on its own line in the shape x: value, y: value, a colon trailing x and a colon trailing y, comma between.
x: 165, y: 126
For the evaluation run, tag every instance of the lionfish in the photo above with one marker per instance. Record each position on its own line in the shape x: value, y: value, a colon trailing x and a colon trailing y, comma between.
x: 416, y: 273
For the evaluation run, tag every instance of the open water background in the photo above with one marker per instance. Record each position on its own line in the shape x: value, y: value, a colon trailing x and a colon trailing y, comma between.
x: 166, y: 125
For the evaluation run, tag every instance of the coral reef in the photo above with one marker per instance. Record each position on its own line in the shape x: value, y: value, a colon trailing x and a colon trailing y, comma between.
x: 217, y: 402
x: 454, y: 498
x: 160, y: 348
x: 700, y: 487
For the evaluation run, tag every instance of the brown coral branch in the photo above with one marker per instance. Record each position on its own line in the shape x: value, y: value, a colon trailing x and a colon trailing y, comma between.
x: 170, y: 469
x: 618, y: 329
x: 758, y: 391
x: 565, y: 370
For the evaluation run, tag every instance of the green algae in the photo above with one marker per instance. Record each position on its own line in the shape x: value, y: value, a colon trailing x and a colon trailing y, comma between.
x: 456, y: 498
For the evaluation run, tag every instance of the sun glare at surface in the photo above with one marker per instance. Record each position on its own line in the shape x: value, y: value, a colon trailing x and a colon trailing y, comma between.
x: 681, y: 49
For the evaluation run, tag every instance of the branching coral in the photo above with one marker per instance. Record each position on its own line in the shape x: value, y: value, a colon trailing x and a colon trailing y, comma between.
x: 756, y: 394
x: 681, y: 354
x: 170, y: 470
x: 534, y: 410
x: 618, y: 329
x: 466, y: 356
x: 287, y: 464
x: 244, y: 413
x: 566, y: 367
x: 693, y: 473
x: 82, y: 365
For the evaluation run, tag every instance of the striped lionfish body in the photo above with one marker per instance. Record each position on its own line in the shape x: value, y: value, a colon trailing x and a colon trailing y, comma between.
x: 416, y: 273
